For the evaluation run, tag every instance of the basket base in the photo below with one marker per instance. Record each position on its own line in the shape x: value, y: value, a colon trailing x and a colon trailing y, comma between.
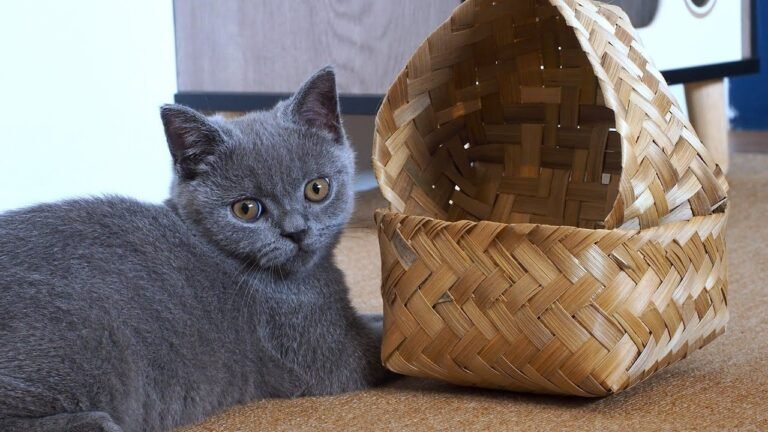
x: 545, y: 309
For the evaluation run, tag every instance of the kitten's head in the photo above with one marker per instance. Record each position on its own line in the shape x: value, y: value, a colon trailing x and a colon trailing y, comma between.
x: 273, y: 187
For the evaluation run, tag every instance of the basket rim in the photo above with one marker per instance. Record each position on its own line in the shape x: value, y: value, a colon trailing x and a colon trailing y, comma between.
x: 674, y: 226
x: 609, y: 98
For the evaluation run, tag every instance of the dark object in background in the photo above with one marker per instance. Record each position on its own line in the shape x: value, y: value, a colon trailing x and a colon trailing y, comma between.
x: 749, y: 94
x: 700, y: 8
x: 641, y: 12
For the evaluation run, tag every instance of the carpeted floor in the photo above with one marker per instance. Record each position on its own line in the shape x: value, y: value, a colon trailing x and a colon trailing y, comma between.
x: 722, y: 387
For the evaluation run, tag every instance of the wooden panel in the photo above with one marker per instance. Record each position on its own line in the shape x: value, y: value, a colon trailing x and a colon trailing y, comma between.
x: 707, y: 109
x: 272, y: 45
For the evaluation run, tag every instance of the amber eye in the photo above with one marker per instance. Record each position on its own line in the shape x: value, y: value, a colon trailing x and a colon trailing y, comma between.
x: 248, y: 209
x: 316, y: 190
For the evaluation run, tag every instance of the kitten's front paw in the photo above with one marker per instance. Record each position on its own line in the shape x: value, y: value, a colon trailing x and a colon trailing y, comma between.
x: 379, y: 374
x: 373, y: 319
x: 89, y: 421
x: 376, y: 323
x: 94, y: 422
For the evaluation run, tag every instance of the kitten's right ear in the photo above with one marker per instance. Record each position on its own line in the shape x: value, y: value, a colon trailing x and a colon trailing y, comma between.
x: 191, y: 139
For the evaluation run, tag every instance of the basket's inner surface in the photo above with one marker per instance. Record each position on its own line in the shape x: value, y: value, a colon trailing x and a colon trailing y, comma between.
x: 504, y: 121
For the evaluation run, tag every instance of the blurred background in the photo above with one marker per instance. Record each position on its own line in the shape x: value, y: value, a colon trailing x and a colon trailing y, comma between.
x: 81, y: 81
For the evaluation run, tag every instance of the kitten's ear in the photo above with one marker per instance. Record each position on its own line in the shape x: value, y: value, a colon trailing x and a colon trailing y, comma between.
x: 191, y: 138
x: 316, y: 103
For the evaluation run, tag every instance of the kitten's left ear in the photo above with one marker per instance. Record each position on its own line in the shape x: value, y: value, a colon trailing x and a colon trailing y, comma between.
x: 191, y: 137
x: 316, y: 103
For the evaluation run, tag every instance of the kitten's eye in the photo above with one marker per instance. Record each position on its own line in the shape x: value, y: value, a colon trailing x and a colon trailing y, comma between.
x: 316, y: 190
x: 248, y: 209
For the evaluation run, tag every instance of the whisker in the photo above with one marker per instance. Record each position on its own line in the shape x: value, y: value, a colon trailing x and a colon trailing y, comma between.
x: 241, y: 271
x: 245, y: 269
x: 249, y: 288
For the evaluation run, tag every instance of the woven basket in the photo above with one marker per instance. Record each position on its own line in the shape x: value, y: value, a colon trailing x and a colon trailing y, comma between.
x: 555, y: 224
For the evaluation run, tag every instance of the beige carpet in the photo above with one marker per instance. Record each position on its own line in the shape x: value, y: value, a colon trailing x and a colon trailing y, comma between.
x: 722, y: 387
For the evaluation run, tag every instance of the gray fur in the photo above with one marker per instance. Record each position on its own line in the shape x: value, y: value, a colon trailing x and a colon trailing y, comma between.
x: 119, y: 315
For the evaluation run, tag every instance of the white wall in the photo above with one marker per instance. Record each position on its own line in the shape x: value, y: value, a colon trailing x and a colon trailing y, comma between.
x: 678, y: 39
x: 81, y: 83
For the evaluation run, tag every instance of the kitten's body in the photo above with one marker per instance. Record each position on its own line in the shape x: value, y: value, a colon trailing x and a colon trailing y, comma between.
x: 120, y: 315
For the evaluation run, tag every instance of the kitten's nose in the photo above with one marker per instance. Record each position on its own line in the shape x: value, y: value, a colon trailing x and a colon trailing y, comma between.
x: 295, y: 236
x: 293, y: 227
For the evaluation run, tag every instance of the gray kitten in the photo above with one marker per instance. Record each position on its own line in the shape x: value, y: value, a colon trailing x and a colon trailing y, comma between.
x: 119, y: 315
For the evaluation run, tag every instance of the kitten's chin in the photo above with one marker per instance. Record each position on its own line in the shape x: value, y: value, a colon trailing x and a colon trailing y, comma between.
x: 294, y: 260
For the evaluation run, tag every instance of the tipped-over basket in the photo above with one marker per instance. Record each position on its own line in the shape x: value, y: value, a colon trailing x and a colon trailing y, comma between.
x: 555, y: 224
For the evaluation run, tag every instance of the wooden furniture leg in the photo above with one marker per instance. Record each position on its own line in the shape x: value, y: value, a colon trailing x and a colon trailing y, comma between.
x: 707, y: 109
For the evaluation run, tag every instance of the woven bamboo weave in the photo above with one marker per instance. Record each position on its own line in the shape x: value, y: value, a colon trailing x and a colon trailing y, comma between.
x: 555, y: 223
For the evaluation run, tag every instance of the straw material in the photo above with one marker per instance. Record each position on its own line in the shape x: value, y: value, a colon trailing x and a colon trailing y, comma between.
x: 566, y: 120
x: 548, y: 309
x: 588, y: 251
